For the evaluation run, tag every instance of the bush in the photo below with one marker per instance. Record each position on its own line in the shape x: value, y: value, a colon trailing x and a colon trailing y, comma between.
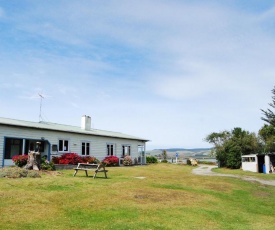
x: 55, y: 160
x: 188, y: 162
x: 90, y: 160
x: 164, y: 161
x: 207, y: 162
x: 67, y: 158
x: 17, y: 172
x: 127, y: 160
x: 33, y: 174
x: 74, y: 159
x: 151, y: 160
x: 111, y: 161
x: 46, y: 165
x: 20, y: 160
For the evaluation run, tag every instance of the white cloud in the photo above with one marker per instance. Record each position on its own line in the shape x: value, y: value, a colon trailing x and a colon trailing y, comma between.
x: 2, y: 12
x: 171, y: 71
x: 267, y: 15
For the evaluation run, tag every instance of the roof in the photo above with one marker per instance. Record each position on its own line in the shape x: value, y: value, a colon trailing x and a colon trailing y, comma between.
x: 66, y: 128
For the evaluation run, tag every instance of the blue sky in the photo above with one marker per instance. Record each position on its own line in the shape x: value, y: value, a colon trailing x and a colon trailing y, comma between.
x: 169, y: 71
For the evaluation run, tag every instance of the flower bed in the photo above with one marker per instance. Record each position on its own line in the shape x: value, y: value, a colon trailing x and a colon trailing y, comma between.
x: 20, y: 160
x: 111, y: 161
x: 73, y: 159
x: 127, y: 161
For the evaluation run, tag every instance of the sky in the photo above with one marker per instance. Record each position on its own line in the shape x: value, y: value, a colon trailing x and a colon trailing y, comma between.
x: 170, y: 71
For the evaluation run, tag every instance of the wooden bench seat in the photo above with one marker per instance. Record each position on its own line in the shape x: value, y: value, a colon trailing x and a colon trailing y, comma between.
x: 97, y: 168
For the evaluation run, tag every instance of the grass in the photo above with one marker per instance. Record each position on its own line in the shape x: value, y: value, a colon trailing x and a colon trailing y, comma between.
x: 162, y: 196
x: 244, y: 173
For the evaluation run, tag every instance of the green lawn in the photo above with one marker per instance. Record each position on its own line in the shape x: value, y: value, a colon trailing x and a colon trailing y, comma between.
x: 168, y: 197
x: 245, y: 173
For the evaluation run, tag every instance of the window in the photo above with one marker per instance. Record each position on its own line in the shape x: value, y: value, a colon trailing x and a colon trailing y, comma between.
x: 13, y: 147
x: 54, y: 148
x: 85, y: 148
x: 141, y: 154
x: 248, y: 159
x: 110, y: 149
x: 126, y: 150
x: 63, y: 146
x: 141, y: 149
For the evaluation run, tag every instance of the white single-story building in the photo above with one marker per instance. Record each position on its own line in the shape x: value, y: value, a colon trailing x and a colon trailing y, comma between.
x: 20, y: 137
x: 259, y: 163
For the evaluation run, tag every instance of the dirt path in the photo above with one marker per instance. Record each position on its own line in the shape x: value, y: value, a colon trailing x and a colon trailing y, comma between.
x: 205, y: 170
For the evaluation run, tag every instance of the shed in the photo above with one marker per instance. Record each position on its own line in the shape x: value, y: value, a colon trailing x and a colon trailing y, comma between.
x: 250, y: 163
x: 261, y: 163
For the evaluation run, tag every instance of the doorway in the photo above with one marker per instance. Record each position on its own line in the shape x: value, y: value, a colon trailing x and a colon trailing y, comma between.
x: 260, y: 163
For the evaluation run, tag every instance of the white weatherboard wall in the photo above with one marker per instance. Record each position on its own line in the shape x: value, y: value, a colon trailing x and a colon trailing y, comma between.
x: 1, y: 148
x: 267, y: 164
x: 98, y: 144
x: 250, y: 163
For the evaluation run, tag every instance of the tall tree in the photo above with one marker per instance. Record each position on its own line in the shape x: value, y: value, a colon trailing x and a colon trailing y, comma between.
x: 269, y: 115
x: 267, y: 138
x: 230, y: 146
x: 219, y: 140
x: 164, y: 155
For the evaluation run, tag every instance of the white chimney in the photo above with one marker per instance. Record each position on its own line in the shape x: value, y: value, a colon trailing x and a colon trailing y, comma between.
x: 86, y: 122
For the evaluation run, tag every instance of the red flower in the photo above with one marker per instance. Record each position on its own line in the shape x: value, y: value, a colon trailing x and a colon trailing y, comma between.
x: 20, y: 160
x: 73, y: 158
x: 111, y: 161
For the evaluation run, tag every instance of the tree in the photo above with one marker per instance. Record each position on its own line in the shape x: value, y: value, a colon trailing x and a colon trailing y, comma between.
x: 241, y: 142
x: 219, y: 139
x: 164, y: 156
x: 230, y: 146
x: 269, y: 115
x: 267, y: 138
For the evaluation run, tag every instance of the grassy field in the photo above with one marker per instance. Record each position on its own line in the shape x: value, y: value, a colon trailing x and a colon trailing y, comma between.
x: 245, y: 173
x: 162, y: 196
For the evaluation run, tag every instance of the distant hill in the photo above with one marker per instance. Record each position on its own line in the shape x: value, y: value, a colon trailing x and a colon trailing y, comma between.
x: 182, y: 149
x: 182, y: 152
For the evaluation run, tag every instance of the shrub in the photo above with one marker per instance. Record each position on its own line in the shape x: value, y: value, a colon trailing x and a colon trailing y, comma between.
x: 164, y: 161
x: 67, y: 158
x: 20, y: 160
x: 74, y: 159
x: 151, y: 160
x: 46, y: 165
x: 111, y: 161
x: 207, y: 162
x: 33, y: 174
x: 55, y: 160
x: 90, y: 160
x: 17, y: 172
x: 127, y: 160
x: 188, y: 162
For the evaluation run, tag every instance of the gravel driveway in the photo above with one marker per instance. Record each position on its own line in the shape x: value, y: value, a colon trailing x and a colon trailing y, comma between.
x: 205, y: 170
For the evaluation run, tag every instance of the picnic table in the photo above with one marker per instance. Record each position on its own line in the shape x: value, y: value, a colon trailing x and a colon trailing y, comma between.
x: 97, y: 168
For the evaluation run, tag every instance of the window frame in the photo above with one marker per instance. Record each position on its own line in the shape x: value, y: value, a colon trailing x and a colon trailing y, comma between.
x: 87, y: 145
x: 128, y: 148
x: 110, y: 151
x: 9, y: 144
x: 63, y: 141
